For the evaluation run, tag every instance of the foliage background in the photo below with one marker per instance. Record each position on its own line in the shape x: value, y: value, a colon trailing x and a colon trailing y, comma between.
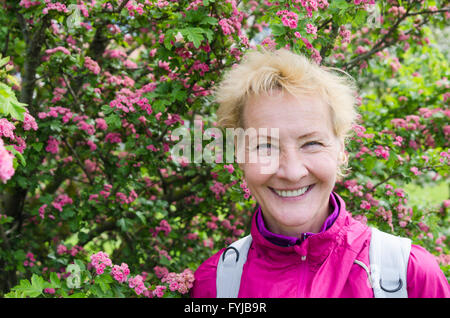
x: 97, y: 174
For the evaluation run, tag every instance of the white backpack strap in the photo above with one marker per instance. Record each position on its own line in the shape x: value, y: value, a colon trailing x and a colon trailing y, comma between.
x: 229, y: 268
x: 389, y: 256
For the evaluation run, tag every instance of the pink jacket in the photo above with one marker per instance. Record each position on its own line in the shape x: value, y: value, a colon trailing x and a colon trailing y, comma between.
x: 322, y: 266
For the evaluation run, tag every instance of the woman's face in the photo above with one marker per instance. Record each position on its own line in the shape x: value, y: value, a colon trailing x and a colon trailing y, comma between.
x: 294, y: 194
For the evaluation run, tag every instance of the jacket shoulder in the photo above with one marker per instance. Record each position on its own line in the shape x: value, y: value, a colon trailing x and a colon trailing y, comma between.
x: 425, y: 279
x: 205, y: 278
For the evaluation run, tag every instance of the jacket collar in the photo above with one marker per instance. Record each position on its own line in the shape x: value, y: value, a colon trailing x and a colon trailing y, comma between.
x: 315, y: 249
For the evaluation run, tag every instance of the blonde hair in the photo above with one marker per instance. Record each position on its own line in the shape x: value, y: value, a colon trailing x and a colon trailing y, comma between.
x: 263, y: 72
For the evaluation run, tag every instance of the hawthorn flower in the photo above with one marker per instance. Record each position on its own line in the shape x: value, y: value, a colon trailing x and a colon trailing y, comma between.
x: 6, y: 163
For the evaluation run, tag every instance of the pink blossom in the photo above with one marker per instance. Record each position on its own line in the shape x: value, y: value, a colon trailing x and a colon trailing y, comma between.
x: 226, y: 26
x: 113, y: 138
x: 289, y: 18
x: 160, y: 272
x: 29, y: 122
x: 90, y: 165
x: 49, y: 290
x: 163, y: 227
x: 60, y: 201
x: 6, y: 128
x: 400, y: 193
x: 180, y: 282
x: 91, y: 65
x: 398, y: 141
x: 229, y: 168
x: 365, y: 205
x: 89, y: 129
x: 52, y: 145
x: 91, y: 144
x: 57, y: 49
x: 6, y: 163
x: 218, y: 188
x: 159, y: 291
x: 120, y: 273
x: 130, y: 65
x: 55, y: 6
x: 42, y: 211
x: 200, y: 66
x: 28, y: 3
x: 311, y: 29
x: 382, y: 152
x: 269, y: 43
x: 100, y: 260
x: 416, y: 171
x: 345, y: 34
x: 61, y: 249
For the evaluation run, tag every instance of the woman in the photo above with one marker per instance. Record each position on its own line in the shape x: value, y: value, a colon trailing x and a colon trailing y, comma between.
x: 304, y: 242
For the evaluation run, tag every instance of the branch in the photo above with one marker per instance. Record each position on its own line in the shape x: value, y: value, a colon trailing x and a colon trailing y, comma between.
x: 379, y: 45
x: 75, y: 98
x: 398, y: 174
x: 78, y: 160
x: 333, y: 36
x: 428, y: 12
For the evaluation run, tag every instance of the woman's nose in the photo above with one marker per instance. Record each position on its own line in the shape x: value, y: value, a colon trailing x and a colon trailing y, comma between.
x: 292, y: 166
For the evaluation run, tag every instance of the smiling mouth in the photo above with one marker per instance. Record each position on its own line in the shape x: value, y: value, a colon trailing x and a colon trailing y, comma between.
x: 291, y: 193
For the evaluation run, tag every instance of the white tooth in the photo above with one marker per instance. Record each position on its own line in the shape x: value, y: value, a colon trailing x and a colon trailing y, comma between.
x: 293, y: 193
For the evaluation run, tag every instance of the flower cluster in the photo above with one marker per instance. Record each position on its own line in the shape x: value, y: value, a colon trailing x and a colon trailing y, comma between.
x: 218, y: 188
x: 120, y: 273
x: 181, y: 282
x: 91, y: 65
x: 6, y: 163
x: 246, y: 190
x: 60, y: 201
x: 30, y: 261
x: 52, y: 145
x: 288, y: 18
x: 100, y: 260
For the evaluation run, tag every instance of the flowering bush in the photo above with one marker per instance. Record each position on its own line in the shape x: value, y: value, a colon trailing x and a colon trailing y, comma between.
x: 106, y: 83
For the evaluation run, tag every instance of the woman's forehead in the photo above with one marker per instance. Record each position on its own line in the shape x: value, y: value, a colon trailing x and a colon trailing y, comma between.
x: 283, y: 111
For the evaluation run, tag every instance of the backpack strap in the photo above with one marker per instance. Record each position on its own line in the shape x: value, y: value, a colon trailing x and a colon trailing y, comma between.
x: 389, y: 256
x: 229, y: 268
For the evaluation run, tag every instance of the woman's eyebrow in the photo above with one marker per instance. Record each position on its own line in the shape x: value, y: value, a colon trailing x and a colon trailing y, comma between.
x: 311, y: 134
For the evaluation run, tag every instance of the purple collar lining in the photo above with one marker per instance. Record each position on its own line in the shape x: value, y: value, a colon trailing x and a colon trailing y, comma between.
x: 283, y: 240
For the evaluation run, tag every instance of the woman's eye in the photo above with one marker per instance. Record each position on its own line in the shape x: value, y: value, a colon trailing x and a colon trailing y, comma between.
x: 264, y: 146
x: 313, y: 143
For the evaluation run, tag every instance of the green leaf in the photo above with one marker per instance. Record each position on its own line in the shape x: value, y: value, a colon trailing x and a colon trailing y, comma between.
x: 210, y: 21
x: 37, y: 146
x: 278, y: 29
x: 193, y: 35
x: 3, y: 61
x: 107, y: 109
x: 164, y: 261
x: 55, y: 281
x: 124, y: 224
x: 141, y: 217
x: 360, y: 18
x: 9, y: 105
x: 113, y: 121
x: 169, y: 37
